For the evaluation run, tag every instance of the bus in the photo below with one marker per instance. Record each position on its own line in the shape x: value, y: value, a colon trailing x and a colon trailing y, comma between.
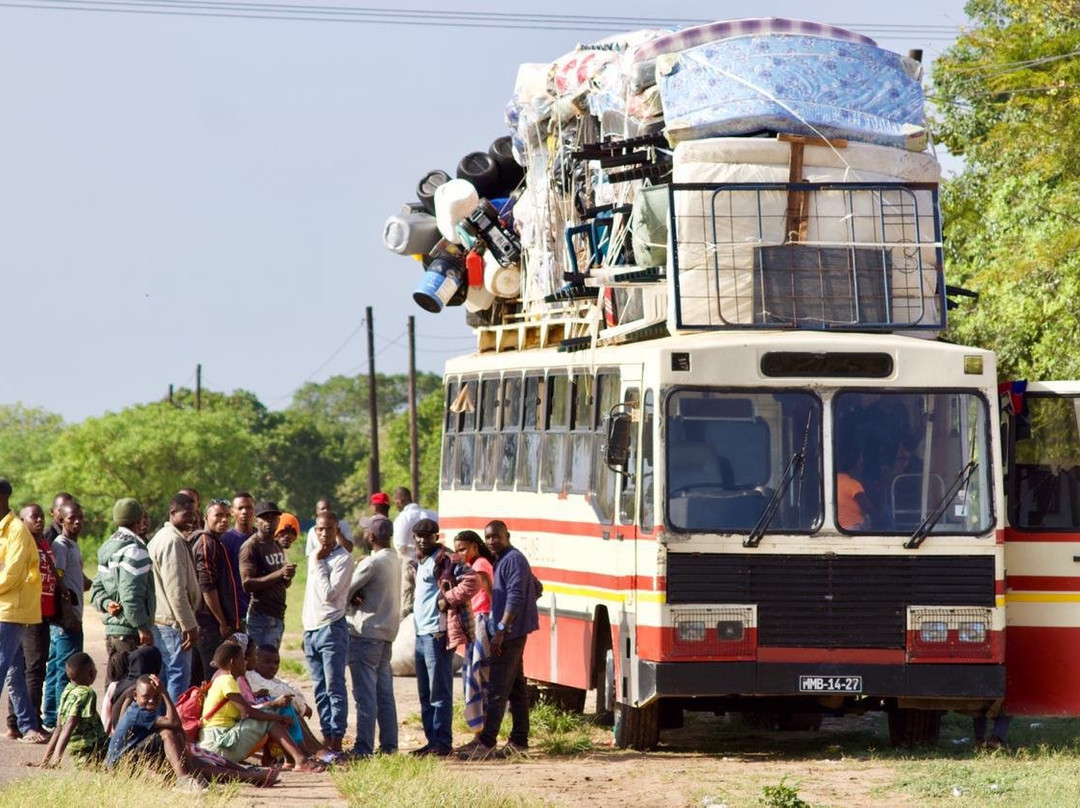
x: 765, y: 486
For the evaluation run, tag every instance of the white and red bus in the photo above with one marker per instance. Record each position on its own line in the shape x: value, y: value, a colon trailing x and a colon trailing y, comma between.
x: 764, y: 485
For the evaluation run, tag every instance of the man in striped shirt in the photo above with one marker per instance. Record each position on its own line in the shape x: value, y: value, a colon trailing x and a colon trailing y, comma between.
x: 124, y: 587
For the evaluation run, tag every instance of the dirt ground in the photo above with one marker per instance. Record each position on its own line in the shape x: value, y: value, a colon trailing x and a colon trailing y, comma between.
x: 679, y: 774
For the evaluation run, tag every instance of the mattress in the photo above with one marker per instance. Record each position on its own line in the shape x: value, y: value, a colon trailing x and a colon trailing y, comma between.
x: 644, y: 68
x: 795, y: 84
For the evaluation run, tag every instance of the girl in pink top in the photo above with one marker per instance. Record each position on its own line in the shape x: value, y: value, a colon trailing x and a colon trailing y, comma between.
x: 474, y: 673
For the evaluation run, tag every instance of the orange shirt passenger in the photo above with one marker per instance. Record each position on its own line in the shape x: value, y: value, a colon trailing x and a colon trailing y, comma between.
x: 849, y: 513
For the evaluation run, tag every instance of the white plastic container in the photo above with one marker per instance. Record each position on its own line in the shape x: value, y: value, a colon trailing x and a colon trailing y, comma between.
x: 454, y: 201
x: 499, y: 280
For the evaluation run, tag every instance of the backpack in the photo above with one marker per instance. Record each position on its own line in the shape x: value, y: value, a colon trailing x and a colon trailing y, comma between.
x: 189, y: 706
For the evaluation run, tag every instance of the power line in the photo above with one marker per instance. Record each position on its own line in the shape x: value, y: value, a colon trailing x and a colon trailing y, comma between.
x: 420, y: 17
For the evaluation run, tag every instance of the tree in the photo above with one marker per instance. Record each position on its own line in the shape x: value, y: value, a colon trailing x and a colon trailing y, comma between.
x: 429, y: 424
x: 150, y: 451
x: 27, y: 435
x: 1009, y: 91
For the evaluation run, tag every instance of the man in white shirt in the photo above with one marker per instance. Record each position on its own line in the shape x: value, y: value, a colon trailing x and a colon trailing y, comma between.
x: 344, y: 535
x: 409, y: 513
x: 326, y: 634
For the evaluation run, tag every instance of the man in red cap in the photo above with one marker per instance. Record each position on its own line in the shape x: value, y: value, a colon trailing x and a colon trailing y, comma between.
x: 380, y: 503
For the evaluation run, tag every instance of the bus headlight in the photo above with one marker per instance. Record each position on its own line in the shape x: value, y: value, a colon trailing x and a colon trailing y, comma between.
x: 974, y: 631
x: 730, y: 630
x: 690, y: 630
x: 933, y: 631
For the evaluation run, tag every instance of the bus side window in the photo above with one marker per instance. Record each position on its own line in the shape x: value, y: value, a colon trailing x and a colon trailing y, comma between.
x: 528, y: 461
x: 554, y: 442
x: 510, y: 425
x: 646, y: 519
x: 467, y: 438
x: 488, y: 439
x: 450, y: 430
x: 602, y: 488
x: 629, y: 482
x: 581, y: 433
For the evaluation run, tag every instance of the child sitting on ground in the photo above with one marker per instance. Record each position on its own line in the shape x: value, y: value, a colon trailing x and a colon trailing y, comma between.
x: 265, y: 683
x: 232, y: 726
x: 144, y: 735
x: 78, y: 726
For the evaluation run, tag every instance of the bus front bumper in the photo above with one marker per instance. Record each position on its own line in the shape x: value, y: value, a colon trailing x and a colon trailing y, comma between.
x: 913, y: 681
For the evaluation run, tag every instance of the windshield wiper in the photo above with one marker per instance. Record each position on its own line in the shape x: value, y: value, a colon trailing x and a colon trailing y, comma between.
x: 794, y: 465
x: 932, y: 518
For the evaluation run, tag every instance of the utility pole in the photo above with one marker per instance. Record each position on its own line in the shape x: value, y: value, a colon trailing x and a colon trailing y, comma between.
x: 373, y: 414
x: 414, y: 447
x: 170, y: 394
x: 198, y: 388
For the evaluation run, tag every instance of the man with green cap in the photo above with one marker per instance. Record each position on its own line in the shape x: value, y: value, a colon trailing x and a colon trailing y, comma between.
x: 124, y: 587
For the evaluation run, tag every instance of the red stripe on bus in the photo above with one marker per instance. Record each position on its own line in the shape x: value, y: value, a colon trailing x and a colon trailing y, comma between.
x: 619, y: 583
x: 1045, y: 583
x: 999, y: 587
x: 592, y: 529
x: 1013, y: 535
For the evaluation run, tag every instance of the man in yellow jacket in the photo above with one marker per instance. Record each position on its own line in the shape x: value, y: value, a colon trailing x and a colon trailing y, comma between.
x: 20, y: 606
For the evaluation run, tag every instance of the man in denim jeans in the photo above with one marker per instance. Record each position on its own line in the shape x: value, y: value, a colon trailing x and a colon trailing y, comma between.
x: 175, y: 629
x: 374, y: 614
x: 326, y: 635
x: 265, y: 575
x: 434, y: 658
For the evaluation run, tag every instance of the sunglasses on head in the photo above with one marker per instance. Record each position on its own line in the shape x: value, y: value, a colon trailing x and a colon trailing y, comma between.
x: 221, y: 502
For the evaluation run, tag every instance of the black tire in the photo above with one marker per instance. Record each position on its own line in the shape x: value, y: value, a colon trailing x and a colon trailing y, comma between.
x: 637, y: 727
x: 756, y: 720
x: 605, y: 691
x: 914, y: 727
x: 799, y: 722
x: 568, y: 699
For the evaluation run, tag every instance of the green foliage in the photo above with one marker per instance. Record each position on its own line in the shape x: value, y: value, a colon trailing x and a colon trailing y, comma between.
x: 149, y: 452
x: 558, y: 732
x: 27, y: 435
x: 395, y: 460
x: 782, y: 795
x: 1009, y: 95
x: 317, y: 447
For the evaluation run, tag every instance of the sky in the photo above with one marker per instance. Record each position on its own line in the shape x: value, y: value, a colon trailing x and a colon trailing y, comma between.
x: 183, y: 190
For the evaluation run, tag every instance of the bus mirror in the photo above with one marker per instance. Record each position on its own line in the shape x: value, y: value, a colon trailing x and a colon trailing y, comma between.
x: 618, y: 441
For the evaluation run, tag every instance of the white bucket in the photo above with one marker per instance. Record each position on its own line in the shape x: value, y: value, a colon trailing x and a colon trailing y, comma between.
x: 499, y: 280
x: 454, y: 201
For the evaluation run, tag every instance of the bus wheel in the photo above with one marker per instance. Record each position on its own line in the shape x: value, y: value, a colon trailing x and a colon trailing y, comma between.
x: 637, y: 727
x: 799, y: 722
x: 914, y: 727
x: 605, y: 692
x: 567, y: 699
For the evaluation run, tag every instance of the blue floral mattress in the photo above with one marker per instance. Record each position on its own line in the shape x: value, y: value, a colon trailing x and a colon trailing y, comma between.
x: 797, y: 84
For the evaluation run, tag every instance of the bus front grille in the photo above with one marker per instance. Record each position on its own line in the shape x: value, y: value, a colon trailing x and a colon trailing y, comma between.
x: 834, y: 601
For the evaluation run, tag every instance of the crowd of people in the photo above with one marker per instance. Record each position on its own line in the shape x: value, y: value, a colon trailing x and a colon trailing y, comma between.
x: 194, y: 616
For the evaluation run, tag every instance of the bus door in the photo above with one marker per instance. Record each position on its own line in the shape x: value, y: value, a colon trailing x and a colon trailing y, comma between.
x: 625, y: 537
x: 1042, y: 550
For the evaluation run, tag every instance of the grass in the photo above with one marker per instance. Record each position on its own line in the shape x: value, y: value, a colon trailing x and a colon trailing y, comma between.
x: 71, y: 787
x: 405, y: 780
x: 293, y: 667
x: 557, y: 732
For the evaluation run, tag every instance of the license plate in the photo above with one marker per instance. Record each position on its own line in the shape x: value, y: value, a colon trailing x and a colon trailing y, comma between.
x: 830, y: 684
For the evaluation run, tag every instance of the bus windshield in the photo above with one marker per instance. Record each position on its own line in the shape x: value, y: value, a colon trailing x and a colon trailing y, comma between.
x: 727, y: 451
x: 901, y: 455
